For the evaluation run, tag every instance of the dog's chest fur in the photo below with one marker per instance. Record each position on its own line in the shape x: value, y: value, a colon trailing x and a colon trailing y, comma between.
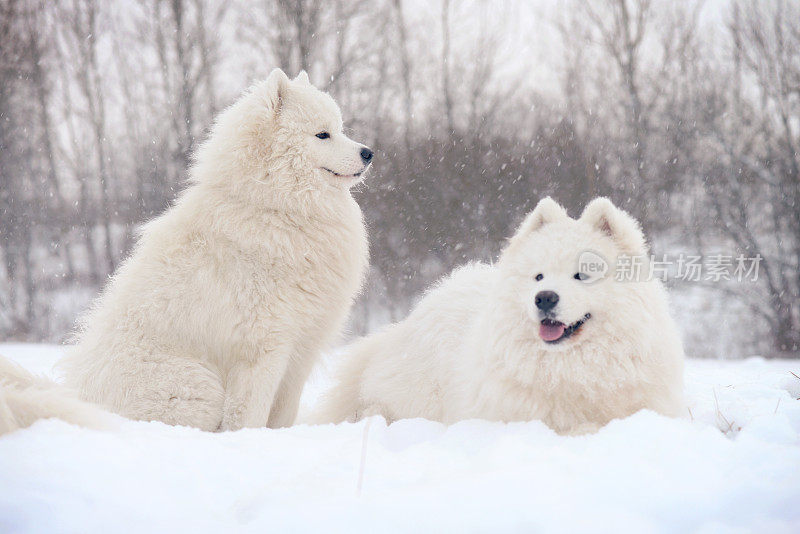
x: 566, y: 390
x: 297, y: 277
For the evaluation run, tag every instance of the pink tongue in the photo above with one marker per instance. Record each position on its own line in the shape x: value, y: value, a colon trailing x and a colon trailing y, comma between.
x: 551, y: 331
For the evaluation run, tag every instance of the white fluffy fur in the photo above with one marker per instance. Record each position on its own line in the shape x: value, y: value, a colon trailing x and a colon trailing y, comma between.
x: 216, y: 318
x: 471, y: 348
x: 26, y: 398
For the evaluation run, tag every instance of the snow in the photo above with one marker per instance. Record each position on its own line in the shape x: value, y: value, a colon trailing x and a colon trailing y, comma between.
x: 733, y: 465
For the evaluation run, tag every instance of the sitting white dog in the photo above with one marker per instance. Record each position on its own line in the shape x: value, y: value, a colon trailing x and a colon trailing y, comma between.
x: 217, y: 317
x: 533, y: 337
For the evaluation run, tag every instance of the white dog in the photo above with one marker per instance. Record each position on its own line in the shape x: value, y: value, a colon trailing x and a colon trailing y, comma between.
x: 533, y: 337
x: 218, y: 315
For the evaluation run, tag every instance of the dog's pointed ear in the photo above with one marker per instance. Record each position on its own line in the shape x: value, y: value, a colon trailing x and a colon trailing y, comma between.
x: 604, y: 216
x: 545, y: 212
x: 276, y: 85
x: 302, y: 77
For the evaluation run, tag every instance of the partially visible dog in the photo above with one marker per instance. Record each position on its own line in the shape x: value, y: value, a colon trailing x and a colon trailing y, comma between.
x: 533, y: 337
x: 26, y: 398
x: 217, y: 317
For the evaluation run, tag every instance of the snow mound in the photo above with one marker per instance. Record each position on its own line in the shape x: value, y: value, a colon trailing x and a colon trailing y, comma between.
x: 731, y: 465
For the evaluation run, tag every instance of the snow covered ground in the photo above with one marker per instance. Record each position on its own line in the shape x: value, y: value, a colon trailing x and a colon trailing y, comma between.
x: 733, y: 465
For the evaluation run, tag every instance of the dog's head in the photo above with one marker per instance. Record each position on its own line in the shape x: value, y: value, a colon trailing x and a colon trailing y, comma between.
x: 287, y: 134
x: 559, y: 272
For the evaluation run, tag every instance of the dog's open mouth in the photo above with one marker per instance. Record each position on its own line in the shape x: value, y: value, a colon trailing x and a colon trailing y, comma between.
x: 552, y: 331
x: 350, y: 176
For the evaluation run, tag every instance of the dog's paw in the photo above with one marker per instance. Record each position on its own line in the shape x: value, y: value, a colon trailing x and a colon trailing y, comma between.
x: 583, y: 429
x: 232, y: 415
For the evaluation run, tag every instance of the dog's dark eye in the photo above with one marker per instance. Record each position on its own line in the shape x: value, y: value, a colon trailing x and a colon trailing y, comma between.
x: 539, y: 277
x: 323, y: 135
x: 581, y: 276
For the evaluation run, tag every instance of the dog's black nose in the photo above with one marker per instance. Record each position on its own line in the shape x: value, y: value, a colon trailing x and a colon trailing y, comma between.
x: 366, y: 154
x: 546, y: 300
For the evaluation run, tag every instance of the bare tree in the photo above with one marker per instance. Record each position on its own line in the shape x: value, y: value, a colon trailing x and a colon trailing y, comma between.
x: 621, y: 29
x: 754, y: 185
x: 288, y: 30
x: 446, y: 91
x: 37, y: 27
x: 180, y: 33
x: 81, y: 34
x: 21, y: 170
x: 405, y: 72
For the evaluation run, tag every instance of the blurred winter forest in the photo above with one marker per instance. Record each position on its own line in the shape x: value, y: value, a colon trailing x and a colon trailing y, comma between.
x: 685, y: 113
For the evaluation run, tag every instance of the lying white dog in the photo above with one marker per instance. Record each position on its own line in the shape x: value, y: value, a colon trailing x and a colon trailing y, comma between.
x: 218, y: 315
x: 533, y: 337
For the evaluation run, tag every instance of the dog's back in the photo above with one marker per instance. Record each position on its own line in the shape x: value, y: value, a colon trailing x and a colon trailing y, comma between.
x: 406, y: 369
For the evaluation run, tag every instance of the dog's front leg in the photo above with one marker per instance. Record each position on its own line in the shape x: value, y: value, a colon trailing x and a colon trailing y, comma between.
x: 250, y: 389
x: 287, y: 401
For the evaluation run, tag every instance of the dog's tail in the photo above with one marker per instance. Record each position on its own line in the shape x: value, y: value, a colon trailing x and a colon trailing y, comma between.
x: 25, y: 398
x: 343, y: 401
